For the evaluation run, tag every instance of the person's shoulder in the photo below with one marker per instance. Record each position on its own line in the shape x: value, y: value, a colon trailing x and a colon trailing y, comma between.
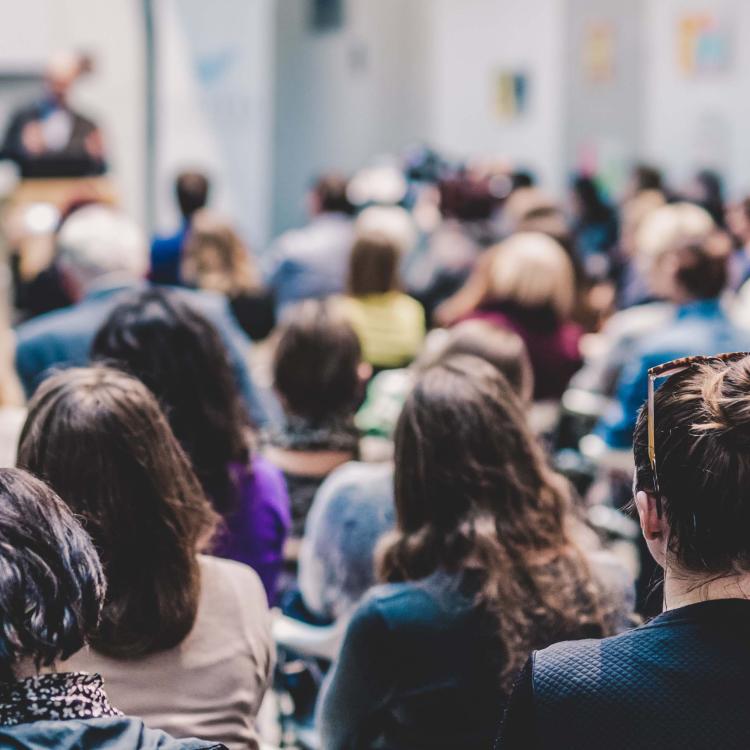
x: 96, y: 734
x: 55, y: 321
x: 575, y: 660
x: 234, y: 583
x: 416, y: 604
x: 357, y: 475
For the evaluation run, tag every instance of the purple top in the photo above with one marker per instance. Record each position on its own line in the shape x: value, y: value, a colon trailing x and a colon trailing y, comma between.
x: 255, y: 532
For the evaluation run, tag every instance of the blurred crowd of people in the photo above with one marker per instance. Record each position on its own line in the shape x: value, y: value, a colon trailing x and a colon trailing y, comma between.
x: 406, y: 426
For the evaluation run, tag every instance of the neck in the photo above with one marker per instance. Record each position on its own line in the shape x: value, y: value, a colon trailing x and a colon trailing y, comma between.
x: 681, y: 589
x: 27, y: 668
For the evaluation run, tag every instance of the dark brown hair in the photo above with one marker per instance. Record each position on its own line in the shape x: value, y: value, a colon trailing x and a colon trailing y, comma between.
x: 98, y: 437
x: 315, y: 362
x: 702, y: 440
x: 191, y: 189
x: 703, y: 267
x: 156, y: 336
x: 474, y: 490
x: 330, y: 192
x: 373, y: 266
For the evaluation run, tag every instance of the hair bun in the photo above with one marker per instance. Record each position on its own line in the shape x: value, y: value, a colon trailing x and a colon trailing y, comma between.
x: 726, y: 396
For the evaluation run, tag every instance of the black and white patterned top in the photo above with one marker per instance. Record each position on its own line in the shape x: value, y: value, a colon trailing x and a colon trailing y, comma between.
x: 49, y: 697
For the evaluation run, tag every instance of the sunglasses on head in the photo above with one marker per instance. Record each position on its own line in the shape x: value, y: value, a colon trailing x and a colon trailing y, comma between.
x: 667, y: 370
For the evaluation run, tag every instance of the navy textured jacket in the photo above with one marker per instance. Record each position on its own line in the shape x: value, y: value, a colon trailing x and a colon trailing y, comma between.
x: 678, y: 683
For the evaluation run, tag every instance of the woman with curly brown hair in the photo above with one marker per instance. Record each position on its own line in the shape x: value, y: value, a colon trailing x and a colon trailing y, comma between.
x: 483, y: 567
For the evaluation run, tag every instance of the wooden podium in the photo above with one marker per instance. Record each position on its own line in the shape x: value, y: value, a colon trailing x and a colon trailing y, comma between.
x: 36, y: 251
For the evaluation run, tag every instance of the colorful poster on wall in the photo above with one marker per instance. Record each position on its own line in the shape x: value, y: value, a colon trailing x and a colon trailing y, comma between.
x: 511, y: 94
x: 599, y: 46
x: 703, y: 44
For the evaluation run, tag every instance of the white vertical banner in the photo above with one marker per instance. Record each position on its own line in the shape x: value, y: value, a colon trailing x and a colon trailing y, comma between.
x: 215, y: 106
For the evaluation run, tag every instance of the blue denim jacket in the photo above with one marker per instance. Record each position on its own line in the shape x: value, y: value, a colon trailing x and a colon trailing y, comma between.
x: 111, y: 733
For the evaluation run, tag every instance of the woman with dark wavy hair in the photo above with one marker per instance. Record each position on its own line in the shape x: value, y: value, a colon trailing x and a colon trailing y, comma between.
x: 483, y: 567
x: 183, y: 639
x: 51, y: 593
x: 157, y: 337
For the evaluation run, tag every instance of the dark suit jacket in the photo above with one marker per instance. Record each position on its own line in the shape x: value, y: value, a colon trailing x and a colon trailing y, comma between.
x: 71, y: 161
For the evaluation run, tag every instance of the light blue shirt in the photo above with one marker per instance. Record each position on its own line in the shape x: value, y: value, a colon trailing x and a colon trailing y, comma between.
x: 700, y: 327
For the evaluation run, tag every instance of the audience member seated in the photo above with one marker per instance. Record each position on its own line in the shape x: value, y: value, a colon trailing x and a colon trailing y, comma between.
x: 660, y: 231
x: 184, y: 639
x: 527, y: 284
x: 481, y: 569
x: 389, y: 323
x: 317, y: 372
x: 312, y: 262
x: 693, y: 275
x: 707, y: 190
x: 502, y: 348
x: 216, y: 259
x: 351, y: 511
x: 191, y: 191
x: 103, y: 255
x: 595, y: 226
x: 738, y: 224
x: 179, y: 355
x: 680, y: 680
x: 51, y: 596
x: 467, y: 209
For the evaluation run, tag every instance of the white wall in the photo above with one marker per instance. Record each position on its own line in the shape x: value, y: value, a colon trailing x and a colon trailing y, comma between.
x: 473, y: 40
x: 343, y: 96
x: 703, y: 121
x: 215, y: 105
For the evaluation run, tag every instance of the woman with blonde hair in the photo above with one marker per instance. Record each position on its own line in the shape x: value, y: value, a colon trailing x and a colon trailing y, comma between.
x: 216, y: 259
x: 527, y: 284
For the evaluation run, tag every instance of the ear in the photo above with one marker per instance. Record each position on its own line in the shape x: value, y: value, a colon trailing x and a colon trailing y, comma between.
x: 652, y: 523
x: 654, y: 526
x: 364, y: 371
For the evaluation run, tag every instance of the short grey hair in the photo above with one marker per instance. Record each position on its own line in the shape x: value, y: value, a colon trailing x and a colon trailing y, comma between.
x: 98, y: 241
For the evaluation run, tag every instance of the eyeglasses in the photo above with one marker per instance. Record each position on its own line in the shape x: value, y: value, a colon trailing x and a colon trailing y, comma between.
x: 667, y: 370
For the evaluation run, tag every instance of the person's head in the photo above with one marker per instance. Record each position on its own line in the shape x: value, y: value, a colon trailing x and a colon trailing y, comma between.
x: 709, y: 192
x: 633, y: 214
x: 373, y: 266
x: 98, y: 243
x: 215, y: 257
x: 392, y: 223
x: 698, y: 269
x: 646, y: 177
x: 699, y: 525
x: 328, y: 196
x: 99, y: 439
x: 51, y: 581
x: 191, y: 191
x: 159, y: 338
x: 533, y: 271
x: 473, y: 491
x: 660, y: 232
x: 737, y: 218
x: 467, y: 198
x: 61, y: 73
x: 588, y: 202
x: 502, y: 348
x: 316, y: 362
